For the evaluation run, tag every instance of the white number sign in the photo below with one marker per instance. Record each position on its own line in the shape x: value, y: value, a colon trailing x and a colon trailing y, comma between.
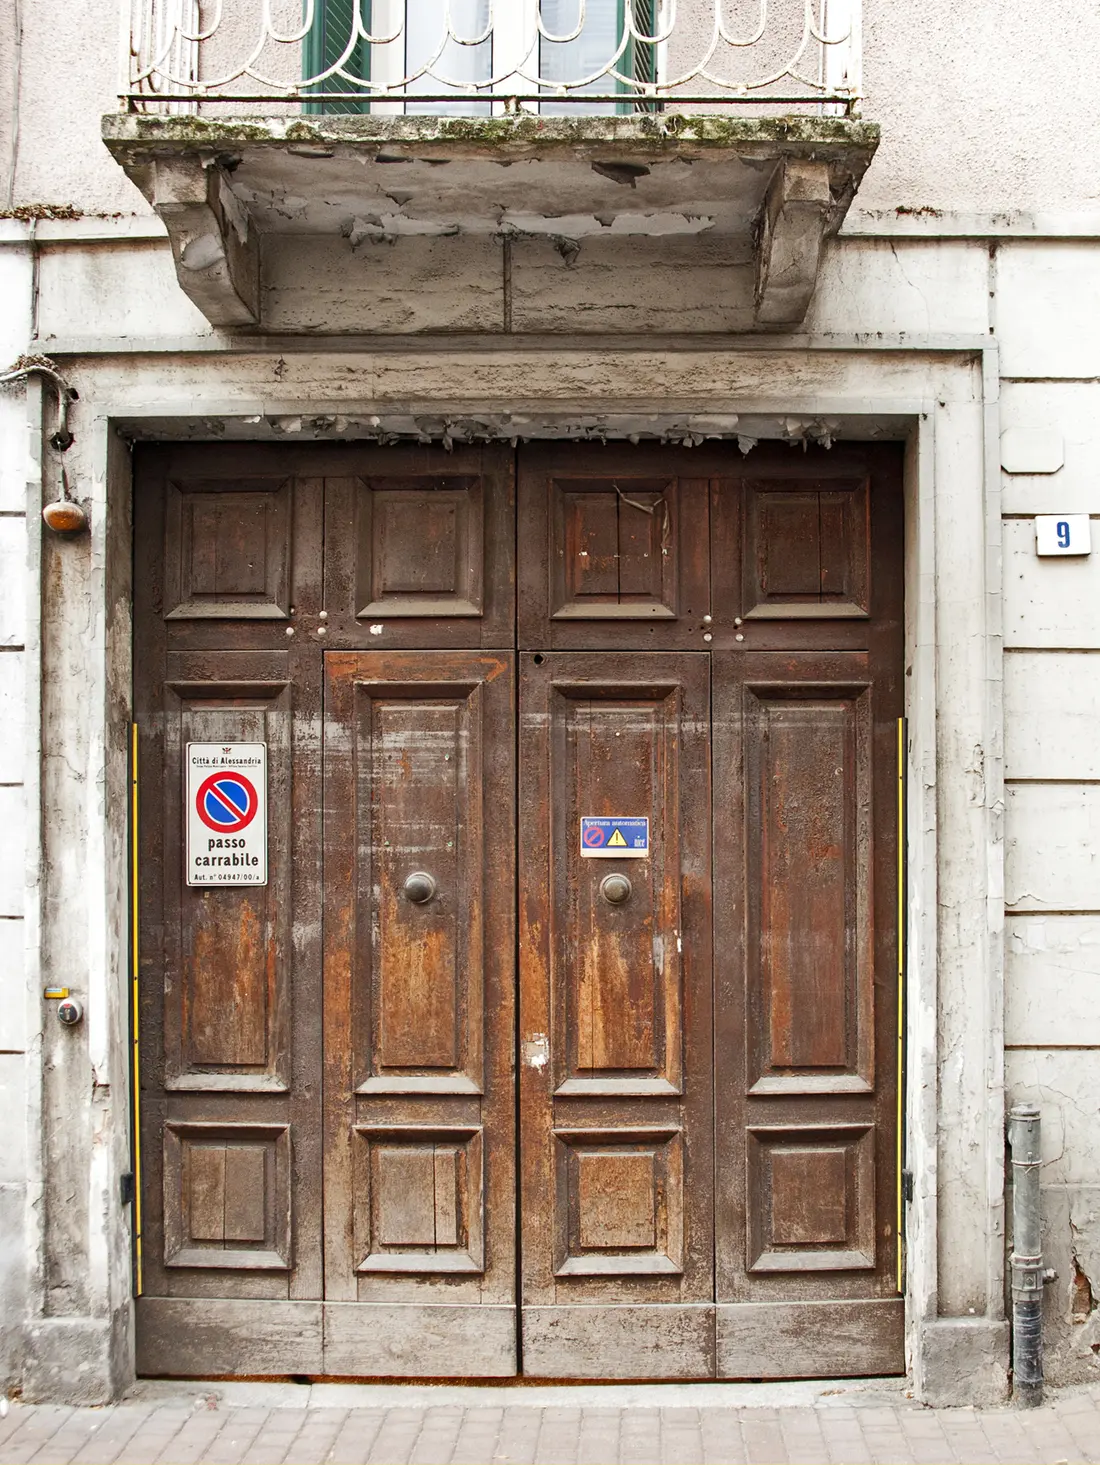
x: 1062, y: 534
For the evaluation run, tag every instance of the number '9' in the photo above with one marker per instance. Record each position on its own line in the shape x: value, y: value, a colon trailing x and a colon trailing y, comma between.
x: 1061, y: 529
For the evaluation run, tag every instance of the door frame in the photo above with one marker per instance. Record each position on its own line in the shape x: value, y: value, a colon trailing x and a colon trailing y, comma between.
x: 942, y: 402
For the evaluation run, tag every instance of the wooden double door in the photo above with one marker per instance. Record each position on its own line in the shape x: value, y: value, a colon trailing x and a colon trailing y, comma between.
x: 447, y: 1096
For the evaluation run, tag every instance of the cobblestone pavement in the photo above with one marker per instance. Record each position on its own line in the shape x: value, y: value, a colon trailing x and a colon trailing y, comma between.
x: 265, y: 1424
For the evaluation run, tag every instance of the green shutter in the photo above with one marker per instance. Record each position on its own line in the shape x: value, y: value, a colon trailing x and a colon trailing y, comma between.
x: 325, y: 43
x: 638, y: 60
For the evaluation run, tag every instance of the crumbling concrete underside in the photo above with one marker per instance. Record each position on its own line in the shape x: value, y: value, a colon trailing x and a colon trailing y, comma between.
x: 248, y: 199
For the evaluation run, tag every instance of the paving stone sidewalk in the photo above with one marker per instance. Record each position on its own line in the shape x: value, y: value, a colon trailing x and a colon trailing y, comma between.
x: 266, y: 1424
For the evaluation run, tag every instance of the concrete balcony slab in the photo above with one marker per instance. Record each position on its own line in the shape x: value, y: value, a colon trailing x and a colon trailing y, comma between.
x: 246, y: 199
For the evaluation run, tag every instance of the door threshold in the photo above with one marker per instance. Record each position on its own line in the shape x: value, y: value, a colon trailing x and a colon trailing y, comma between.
x: 519, y: 1393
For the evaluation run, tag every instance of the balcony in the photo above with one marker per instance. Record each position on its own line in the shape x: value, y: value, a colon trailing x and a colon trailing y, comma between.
x: 277, y: 137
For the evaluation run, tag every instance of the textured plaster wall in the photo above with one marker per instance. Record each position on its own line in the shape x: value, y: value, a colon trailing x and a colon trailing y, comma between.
x: 984, y: 107
x: 16, y: 1037
x: 63, y: 76
x: 8, y: 51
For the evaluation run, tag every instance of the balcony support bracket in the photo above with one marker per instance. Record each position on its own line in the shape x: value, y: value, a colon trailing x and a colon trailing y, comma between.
x: 214, y: 243
x: 798, y: 212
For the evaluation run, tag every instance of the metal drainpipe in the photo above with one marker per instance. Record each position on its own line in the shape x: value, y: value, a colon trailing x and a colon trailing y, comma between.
x: 1027, y: 1257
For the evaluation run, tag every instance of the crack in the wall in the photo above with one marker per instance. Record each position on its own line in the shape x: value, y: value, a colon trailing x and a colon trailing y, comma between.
x: 911, y: 283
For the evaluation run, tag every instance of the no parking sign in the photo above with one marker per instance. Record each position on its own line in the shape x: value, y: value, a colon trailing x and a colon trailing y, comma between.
x: 226, y: 813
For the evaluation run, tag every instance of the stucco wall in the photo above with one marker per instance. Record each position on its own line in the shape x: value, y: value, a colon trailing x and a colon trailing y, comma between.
x: 15, y: 1037
x: 985, y: 108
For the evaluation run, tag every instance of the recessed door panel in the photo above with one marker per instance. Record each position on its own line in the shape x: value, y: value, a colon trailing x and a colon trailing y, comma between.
x: 612, y: 548
x: 420, y: 548
x: 418, y: 980
x: 806, y: 976
x: 615, y: 1083
x: 615, y: 924
x: 228, y: 951
x: 809, y: 876
x: 806, y: 548
x: 228, y: 549
x: 419, y: 995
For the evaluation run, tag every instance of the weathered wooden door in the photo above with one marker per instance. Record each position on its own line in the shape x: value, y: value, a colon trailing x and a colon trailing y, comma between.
x: 708, y: 1147
x: 704, y: 1053
x: 419, y: 978
x: 327, y: 1097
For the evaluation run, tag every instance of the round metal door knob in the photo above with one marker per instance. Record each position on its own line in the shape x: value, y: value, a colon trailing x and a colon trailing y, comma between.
x: 615, y: 889
x: 419, y: 887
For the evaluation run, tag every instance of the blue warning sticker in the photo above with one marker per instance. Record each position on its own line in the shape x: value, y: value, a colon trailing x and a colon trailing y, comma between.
x: 615, y: 837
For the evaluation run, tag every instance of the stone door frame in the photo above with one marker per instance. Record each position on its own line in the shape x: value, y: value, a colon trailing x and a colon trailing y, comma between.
x: 942, y: 401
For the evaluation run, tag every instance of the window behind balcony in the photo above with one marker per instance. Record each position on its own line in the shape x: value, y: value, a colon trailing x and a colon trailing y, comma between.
x: 463, y: 64
x: 438, y: 64
x: 597, y: 52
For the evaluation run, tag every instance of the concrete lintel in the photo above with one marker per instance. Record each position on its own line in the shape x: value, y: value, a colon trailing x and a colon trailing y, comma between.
x: 213, y: 244
x: 790, y: 239
x: 961, y: 1360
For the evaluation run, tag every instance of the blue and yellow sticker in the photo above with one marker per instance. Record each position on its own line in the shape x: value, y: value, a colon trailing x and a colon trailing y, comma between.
x: 614, y: 837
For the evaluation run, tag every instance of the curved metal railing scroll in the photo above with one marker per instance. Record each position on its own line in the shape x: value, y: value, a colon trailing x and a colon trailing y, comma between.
x: 495, y: 55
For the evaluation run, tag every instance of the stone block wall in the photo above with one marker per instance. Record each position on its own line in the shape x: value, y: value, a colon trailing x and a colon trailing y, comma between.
x: 1048, y: 316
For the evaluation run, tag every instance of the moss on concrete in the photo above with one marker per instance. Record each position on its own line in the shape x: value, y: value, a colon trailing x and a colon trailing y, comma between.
x: 524, y: 132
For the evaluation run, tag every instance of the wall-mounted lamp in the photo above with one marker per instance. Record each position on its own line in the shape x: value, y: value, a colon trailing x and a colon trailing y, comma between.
x: 65, y: 515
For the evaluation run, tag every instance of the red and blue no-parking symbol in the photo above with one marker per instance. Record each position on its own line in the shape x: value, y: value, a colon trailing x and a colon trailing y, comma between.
x: 226, y: 818
x: 227, y: 802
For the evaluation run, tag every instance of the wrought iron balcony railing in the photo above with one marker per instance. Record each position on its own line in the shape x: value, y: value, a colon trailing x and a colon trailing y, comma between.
x: 492, y: 57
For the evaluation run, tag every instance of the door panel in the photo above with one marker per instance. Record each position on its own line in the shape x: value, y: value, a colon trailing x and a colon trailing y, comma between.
x: 234, y: 942
x: 228, y: 549
x: 805, y: 891
x: 615, y: 1019
x: 805, y: 549
x: 420, y: 547
x: 613, y: 548
x: 806, y: 553
x: 419, y: 942
x: 230, y: 977
x: 809, y: 870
